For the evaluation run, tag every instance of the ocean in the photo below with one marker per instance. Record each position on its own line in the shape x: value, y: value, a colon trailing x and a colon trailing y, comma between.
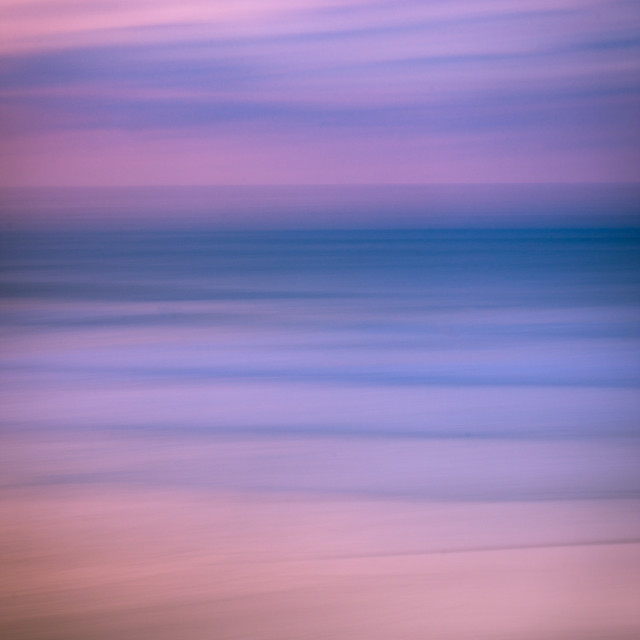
x: 312, y: 395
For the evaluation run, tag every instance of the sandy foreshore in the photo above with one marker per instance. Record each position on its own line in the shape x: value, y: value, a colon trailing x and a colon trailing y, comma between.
x: 118, y: 562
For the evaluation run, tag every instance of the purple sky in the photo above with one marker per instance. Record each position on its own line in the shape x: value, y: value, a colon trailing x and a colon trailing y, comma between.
x: 140, y: 92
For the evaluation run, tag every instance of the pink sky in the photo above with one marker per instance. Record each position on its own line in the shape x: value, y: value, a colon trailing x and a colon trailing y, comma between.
x: 347, y: 91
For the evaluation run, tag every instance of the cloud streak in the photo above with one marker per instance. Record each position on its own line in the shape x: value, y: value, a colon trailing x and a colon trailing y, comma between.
x: 565, y: 72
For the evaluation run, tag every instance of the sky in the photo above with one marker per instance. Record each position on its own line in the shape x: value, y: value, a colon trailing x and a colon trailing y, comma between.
x: 195, y: 92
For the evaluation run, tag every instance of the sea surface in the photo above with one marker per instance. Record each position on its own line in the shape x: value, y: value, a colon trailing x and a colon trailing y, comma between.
x: 401, y: 362
x: 355, y: 391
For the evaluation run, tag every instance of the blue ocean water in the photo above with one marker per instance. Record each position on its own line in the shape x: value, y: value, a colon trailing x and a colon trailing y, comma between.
x: 444, y: 364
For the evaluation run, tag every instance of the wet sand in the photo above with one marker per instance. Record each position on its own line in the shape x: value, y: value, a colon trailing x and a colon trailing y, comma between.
x: 110, y: 562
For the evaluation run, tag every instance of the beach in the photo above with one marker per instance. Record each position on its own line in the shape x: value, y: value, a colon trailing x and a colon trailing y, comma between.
x: 123, y: 562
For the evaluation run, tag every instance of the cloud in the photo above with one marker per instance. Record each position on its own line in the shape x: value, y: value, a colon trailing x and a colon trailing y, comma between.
x: 146, y: 66
x: 566, y: 71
